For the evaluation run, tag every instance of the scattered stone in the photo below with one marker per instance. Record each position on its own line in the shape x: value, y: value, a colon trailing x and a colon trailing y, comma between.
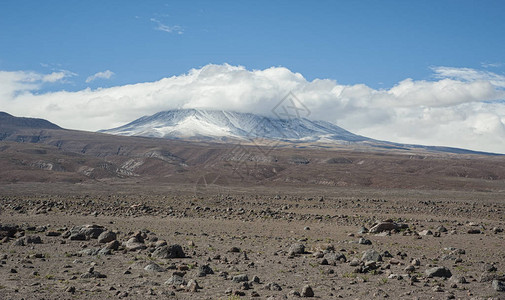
x: 355, y: 262
x: 240, y: 278
x: 192, y: 286
x: 153, y: 267
x: 93, y: 274
x: 114, y: 245
x: 426, y: 232
x: 175, y: 280
x: 234, y: 250
x: 438, y: 272
x: 498, y: 285
x: 387, y: 226
x: 458, y: 279
x: 333, y: 257
x: 410, y: 269
x: 473, y: 231
x: 371, y: 255
x: 134, y: 244
x: 25, y: 240
x: 272, y: 286
x: 489, y: 268
x: 53, y: 233
x: 205, y: 270
x: 363, y: 230
x: 497, y: 230
x: 296, y: 249
x: 85, y: 232
x: 364, y: 241
x: 438, y: 288
x: 172, y: 251
x: 70, y: 289
x: 106, y: 237
x: 307, y: 291
x: 293, y: 293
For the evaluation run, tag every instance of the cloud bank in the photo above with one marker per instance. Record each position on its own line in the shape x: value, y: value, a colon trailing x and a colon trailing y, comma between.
x: 461, y: 107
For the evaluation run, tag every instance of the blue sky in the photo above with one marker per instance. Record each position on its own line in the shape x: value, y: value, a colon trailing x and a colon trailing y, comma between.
x: 425, y: 72
x: 378, y: 43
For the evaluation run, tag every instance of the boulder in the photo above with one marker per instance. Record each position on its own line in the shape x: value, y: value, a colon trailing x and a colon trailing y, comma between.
x: 438, y: 272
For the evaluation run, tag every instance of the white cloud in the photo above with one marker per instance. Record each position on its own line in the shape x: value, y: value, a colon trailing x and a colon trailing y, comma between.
x: 468, y: 74
x: 458, y: 109
x: 15, y: 82
x: 170, y: 29
x: 103, y: 75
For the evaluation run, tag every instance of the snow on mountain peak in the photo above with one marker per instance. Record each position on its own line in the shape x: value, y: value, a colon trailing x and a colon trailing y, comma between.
x: 220, y: 125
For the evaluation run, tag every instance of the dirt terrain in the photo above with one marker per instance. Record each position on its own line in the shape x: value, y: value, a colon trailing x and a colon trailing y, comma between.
x: 250, y: 242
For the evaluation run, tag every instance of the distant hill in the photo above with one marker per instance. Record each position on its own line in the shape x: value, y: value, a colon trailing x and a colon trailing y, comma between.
x: 34, y: 150
x: 10, y: 122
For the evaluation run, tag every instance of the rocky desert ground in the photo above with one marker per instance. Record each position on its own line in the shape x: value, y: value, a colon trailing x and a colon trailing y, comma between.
x: 120, y: 240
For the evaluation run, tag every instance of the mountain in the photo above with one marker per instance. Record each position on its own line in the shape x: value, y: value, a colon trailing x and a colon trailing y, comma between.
x: 224, y: 125
x: 10, y: 122
x: 38, y: 151
x: 23, y: 128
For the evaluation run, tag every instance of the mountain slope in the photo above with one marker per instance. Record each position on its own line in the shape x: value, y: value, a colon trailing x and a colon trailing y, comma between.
x: 10, y: 122
x: 223, y: 125
x: 31, y: 154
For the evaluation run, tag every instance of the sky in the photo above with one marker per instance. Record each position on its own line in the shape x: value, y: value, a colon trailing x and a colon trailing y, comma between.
x: 424, y: 72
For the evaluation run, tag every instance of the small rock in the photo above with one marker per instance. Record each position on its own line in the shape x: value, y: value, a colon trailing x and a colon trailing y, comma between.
x: 410, y: 268
x: 438, y: 272
x: 192, y: 286
x: 437, y: 288
x: 387, y: 226
x: 106, y: 237
x: 153, y: 267
x: 364, y: 241
x: 371, y: 255
x: 296, y: 248
x: 234, y: 250
x: 498, y: 285
x: 272, y: 286
x: 175, y: 280
x: 363, y: 230
x: 240, y: 278
x: 172, y: 251
x: 307, y: 291
x: 114, y: 245
x: 134, y: 244
x: 205, y: 270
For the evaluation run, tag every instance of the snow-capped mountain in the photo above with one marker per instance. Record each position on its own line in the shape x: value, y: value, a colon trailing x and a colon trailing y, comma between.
x: 223, y: 125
